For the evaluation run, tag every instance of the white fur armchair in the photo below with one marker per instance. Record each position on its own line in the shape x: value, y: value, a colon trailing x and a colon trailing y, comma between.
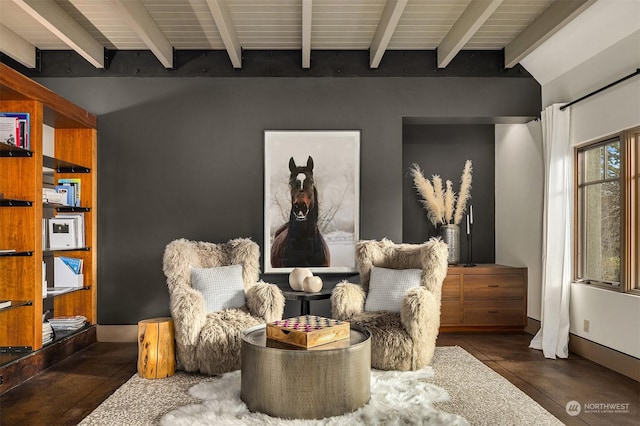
x: 402, y: 340
x: 210, y: 342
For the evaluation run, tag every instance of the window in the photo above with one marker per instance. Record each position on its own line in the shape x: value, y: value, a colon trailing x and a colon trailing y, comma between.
x: 607, y: 212
x: 633, y: 219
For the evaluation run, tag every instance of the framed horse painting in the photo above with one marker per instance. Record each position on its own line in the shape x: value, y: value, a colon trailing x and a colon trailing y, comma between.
x: 312, y: 200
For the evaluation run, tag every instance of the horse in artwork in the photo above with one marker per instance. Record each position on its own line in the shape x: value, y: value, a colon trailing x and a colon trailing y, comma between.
x: 299, y: 241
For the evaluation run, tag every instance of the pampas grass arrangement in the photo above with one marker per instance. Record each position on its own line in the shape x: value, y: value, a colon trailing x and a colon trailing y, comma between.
x: 443, y: 206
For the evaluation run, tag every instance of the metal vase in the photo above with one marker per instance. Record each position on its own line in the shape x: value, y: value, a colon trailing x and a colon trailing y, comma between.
x: 451, y: 236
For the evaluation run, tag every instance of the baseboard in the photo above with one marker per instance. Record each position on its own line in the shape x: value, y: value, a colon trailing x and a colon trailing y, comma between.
x: 532, y: 327
x: 607, y: 357
x: 117, y: 333
x: 610, y: 358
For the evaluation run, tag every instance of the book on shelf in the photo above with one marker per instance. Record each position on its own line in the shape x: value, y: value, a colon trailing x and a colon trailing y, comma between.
x: 78, y: 218
x: 7, y: 251
x: 9, y: 130
x: 67, y: 323
x: 44, y: 279
x: 76, y: 265
x: 53, y: 291
x: 45, y: 233
x: 76, y: 183
x: 47, y: 333
x: 62, y: 233
x: 20, y: 123
x: 70, y: 192
x: 5, y: 303
x: 50, y: 195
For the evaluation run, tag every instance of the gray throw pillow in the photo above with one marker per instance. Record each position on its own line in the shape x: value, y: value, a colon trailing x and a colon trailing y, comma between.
x: 222, y: 287
x: 387, y: 288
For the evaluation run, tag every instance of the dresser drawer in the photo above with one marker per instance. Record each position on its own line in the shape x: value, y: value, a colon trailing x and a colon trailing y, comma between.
x: 450, y: 312
x: 451, y: 287
x: 482, y: 317
x: 494, y: 312
x: 503, y: 286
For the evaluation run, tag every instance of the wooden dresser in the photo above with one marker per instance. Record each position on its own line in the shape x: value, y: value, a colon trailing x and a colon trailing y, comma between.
x: 484, y: 297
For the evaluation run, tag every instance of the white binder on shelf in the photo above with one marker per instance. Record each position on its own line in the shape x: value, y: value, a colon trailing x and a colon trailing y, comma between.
x: 44, y: 279
x: 62, y: 233
x: 79, y: 226
x: 65, y: 276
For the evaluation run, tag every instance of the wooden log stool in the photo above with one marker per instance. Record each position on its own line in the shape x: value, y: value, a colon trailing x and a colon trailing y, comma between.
x: 156, y: 348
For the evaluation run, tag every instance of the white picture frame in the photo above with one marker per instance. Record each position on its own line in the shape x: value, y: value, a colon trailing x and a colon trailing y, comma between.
x: 334, y: 157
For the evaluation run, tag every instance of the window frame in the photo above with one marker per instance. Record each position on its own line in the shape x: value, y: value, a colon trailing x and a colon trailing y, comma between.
x: 632, y: 207
x: 629, y: 221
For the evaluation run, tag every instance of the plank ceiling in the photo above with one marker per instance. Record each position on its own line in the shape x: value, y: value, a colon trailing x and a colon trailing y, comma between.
x: 90, y: 26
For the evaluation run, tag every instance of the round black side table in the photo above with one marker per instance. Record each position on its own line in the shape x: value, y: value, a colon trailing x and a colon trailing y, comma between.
x: 305, y: 298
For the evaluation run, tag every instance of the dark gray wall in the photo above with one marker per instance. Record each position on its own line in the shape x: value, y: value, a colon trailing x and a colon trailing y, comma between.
x: 442, y: 150
x: 183, y: 157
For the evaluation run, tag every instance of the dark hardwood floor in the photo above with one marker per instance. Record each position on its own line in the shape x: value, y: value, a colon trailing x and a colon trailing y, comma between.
x: 69, y: 391
x: 553, y: 383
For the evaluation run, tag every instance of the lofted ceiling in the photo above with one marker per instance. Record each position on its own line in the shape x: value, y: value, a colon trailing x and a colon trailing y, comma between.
x: 88, y: 27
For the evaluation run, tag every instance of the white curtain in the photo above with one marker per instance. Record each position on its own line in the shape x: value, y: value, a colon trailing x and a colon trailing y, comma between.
x: 553, y: 337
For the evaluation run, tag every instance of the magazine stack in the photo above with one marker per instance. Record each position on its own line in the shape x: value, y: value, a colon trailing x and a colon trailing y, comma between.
x: 47, y: 333
x: 67, y: 323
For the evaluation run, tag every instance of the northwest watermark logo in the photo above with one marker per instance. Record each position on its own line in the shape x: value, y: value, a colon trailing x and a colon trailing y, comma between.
x: 606, y: 407
x: 574, y: 408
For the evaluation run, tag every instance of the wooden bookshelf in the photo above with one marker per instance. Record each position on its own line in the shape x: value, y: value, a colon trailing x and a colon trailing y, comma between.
x: 22, y: 211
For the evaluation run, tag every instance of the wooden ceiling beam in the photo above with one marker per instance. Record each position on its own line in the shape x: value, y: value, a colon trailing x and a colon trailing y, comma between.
x: 16, y: 47
x: 554, y: 17
x: 473, y: 17
x: 307, y: 13
x: 390, y: 16
x: 227, y: 30
x: 63, y: 26
x: 204, y: 20
x: 143, y: 24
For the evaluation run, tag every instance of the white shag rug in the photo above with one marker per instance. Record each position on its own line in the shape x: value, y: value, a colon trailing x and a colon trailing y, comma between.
x: 397, y: 398
x: 456, y: 390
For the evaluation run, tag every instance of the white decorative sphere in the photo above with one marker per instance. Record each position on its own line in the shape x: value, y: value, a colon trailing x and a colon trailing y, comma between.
x: 312, y: 284
x: 297, y: 276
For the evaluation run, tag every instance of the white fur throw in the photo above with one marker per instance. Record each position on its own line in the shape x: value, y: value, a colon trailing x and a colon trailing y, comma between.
x: 404, y: 340
x: 210, y: 343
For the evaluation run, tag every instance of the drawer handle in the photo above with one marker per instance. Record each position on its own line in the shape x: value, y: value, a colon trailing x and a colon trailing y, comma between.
x: 493, y: 312
x: 494, y: 285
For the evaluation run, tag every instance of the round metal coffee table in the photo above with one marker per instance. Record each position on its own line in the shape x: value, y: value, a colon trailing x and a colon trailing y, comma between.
x: 294, y: 383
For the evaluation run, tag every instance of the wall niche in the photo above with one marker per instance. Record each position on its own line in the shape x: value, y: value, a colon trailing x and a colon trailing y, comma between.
x: 442, y: 149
